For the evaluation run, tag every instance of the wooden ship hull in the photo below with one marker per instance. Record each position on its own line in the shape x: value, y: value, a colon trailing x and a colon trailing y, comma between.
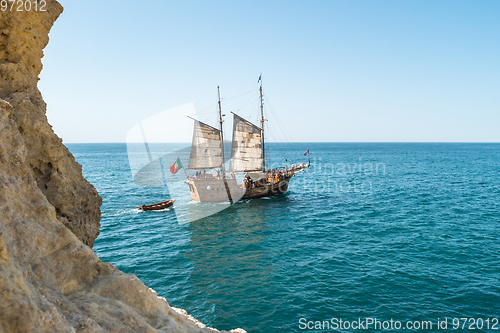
x: 267, y: 190
x: 215, y: 190
x: 220, y: 190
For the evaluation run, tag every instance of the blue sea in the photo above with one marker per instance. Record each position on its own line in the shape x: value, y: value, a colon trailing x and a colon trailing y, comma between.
x: 408, y: 232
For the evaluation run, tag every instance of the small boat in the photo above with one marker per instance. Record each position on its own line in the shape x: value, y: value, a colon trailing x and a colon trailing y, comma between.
x: 157, y: 206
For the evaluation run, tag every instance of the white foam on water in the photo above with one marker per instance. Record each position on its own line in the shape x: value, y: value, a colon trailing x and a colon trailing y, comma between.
x: 127, y: 211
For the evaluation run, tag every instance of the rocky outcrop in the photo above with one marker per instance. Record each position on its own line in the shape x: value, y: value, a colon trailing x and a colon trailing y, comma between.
x: 50, y: 279
x: 23, y: 35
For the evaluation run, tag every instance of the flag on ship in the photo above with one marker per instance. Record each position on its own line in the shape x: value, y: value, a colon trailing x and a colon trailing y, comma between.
x: 176, y: 166
x: 306, y: 153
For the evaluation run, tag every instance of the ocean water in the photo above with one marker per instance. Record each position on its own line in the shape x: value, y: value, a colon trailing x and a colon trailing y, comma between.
x: 408, y: 232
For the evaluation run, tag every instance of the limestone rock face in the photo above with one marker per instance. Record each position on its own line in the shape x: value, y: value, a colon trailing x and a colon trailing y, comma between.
x: 50, y: 279
x: 23, y: 35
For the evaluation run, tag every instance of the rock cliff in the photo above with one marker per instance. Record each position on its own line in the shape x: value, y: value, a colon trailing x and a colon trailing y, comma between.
x: 50, y: 279
x: 23, y: 36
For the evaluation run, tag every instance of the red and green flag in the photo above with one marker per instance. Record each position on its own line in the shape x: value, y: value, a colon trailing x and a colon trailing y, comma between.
x: 176, y: 166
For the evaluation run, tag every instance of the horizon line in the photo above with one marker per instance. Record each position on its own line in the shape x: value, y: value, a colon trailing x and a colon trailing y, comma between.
x: 280, y: 142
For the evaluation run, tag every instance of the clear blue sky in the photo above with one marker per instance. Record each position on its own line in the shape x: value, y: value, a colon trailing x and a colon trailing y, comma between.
x: 341, y: 71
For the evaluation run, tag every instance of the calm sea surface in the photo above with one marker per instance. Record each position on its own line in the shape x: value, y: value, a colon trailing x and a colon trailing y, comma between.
x: 387, y: 231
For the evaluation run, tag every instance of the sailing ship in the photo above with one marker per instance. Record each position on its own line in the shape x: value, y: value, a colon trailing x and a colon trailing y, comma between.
x: 248, y: 158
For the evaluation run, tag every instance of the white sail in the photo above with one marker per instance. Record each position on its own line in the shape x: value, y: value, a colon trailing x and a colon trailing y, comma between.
x: 246, y: 150
x: 206, y: 149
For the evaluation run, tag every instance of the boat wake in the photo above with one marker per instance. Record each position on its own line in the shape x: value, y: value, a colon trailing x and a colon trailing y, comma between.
x: 127, y: 211
x: 161, y: 210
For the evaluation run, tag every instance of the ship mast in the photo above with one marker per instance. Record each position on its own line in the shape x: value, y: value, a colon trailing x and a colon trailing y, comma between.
x: 221, y: 136
x: 262, y: 120
x: 228, y: 192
